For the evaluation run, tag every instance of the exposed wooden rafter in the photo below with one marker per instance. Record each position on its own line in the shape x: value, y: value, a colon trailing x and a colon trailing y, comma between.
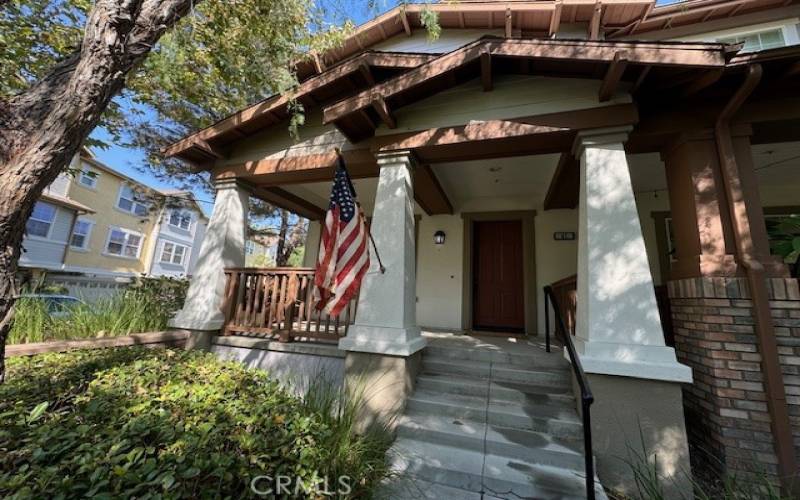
x: 486, y: 71
x: 404, y: 20
x: 380, y: 106
x: 509, y: 23
x: 284, y: 199
x: 555, y: 19
x: 613, y: 76
x: 594, y: 24
x: 706, y: 80
x: 429, y: 192
x: 366, y: 73
x: 563, y: 190
x: 209, y: 149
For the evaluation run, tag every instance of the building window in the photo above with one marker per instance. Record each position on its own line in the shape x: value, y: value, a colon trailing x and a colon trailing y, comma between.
x: 762, y: 40
x: 124, y: 243
x: 87, y: 178
x: 172, y: 253
x: 80, y: 234
x: 41, y: 220
x: 128, y: 203
x: 179, y: 219
x: 249, y: 247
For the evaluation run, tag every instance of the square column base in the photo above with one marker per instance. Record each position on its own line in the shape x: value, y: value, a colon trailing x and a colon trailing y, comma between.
x: 636, y: 420
x: 383, y: 340
x: 380, y: 385
x: 652, y: 362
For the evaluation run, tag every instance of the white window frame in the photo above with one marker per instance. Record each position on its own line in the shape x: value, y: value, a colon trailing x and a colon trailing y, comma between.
x: 84, y: 174
x: 50, y: 223
x: 181, y: 213
x: 86, y: 238
x: 172, y: 254
x: 134, y: 202
x: 128, y: 232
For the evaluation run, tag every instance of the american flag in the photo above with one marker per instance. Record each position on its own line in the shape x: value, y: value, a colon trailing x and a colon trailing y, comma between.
x: 344, y: 252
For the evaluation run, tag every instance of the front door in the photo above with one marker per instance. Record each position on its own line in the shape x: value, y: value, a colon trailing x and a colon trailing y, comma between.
x: 498, y: 296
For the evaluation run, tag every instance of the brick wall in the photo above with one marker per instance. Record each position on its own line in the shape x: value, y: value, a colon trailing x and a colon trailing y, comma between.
x: 726, y: 412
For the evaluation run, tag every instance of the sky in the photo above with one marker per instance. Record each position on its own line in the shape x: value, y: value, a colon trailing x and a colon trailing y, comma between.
x: 132, y: 162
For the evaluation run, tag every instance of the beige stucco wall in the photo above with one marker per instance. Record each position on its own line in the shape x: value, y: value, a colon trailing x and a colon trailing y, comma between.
x: 554, y: 259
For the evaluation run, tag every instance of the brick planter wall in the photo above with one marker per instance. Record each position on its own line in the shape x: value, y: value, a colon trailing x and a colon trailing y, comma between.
x: 726, y: 412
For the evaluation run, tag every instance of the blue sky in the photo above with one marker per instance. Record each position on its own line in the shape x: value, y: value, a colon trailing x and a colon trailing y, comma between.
x: 133, y: 163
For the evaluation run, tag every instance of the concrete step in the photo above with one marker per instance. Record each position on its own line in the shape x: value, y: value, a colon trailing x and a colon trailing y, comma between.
x: 531, y: 446
x: 532, y: 359
x: 500, y: 477
x: 560, y: 422
x: 499, y: 391
x: 484, y: 370
x: 408, y: 487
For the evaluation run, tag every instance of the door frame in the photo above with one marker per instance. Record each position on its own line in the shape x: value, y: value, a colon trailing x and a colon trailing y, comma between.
x: 527, y: 217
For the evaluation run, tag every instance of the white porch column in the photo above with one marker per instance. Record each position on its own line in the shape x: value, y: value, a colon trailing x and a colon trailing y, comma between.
x: 223, y: 246
x: 618, y: 327
x: 386, y: 320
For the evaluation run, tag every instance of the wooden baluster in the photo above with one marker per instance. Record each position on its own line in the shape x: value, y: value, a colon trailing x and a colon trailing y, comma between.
x: 265, y: 287
x: 311, y: 305
x: 229, y: 304
x: 273, y: 300
x: 280, y: 317
x: 240, y: 298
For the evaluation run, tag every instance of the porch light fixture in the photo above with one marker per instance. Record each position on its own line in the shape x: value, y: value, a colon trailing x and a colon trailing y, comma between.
x: 438, y: 237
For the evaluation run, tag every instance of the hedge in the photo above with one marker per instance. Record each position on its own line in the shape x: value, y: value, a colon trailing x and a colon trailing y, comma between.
x: 160, y: 423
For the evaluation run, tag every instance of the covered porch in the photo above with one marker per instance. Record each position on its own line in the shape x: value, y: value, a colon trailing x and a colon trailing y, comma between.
x: 536, y: 161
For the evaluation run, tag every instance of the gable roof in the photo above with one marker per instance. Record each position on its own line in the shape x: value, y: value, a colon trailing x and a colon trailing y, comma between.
x: 353, y: 67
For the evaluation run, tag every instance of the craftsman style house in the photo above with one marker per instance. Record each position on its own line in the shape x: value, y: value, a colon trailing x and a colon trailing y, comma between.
x: 608, y: 168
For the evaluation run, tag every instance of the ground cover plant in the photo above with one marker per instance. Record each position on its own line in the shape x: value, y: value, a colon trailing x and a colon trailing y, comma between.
x: 139, y: 422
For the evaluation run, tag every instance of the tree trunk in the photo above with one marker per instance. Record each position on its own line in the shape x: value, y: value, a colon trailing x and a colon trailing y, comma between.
x: 42, y: 128
x: 281, y: 254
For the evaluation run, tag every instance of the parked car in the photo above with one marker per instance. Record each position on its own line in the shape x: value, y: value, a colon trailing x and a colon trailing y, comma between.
x: 58, y: 306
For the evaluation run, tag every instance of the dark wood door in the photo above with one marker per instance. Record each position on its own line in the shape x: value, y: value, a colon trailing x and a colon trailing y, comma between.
x: 498, y: 294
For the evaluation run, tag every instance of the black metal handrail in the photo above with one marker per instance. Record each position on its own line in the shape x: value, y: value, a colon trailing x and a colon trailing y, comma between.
x: 586, y: 393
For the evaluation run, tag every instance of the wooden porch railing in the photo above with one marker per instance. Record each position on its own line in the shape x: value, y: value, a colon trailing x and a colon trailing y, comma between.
x: 279, y: 302
x: 566, y: 293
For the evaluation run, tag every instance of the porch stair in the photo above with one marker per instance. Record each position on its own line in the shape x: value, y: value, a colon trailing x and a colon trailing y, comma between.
x: 488, y: 423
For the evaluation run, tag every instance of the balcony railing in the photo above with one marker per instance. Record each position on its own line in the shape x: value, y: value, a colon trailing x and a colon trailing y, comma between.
x: 280, y: 303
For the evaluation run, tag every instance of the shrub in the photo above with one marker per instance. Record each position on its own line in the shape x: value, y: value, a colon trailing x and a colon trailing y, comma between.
x: 146, y: 306
x: 156, y: 422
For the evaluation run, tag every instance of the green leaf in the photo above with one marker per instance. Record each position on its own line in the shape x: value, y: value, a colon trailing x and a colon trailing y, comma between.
x: 38, y: 411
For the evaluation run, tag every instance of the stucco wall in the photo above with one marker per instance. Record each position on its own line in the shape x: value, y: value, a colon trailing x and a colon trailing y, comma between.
x: 554, y: 259
x: 440, y: 272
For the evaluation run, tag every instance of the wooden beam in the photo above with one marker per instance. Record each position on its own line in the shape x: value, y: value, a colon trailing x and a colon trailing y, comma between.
x: 486, y: 71
x: 207, y: 148
x: 380, y: 106
x: 367, y: 74
x: 564, y: 187
x: 461, y: 23
x: 555, y: 19
x: 284, y: 199
x: 594, y: 24
x: 705, y: 80
x: 509, y: 23
x: 317, y: 167
x: 429, y: 192
x: 404, y: 20
x: 690, y: 55
x: 613, y: 76
x: 640, y: 79
x: 319, y: 65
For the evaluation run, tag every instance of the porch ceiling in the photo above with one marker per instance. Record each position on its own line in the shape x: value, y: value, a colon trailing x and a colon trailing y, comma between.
x: 520, y: 181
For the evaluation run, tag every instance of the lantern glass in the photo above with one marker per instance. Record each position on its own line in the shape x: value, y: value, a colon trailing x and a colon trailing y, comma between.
x: 438, y: 237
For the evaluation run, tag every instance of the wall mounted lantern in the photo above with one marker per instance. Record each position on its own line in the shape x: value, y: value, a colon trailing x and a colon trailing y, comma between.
x: 438, y: 237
